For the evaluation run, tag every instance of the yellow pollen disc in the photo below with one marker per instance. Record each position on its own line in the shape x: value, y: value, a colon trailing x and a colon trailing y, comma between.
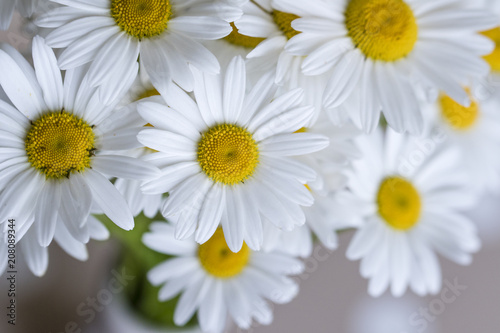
x: 301, y: 130
x: 284, y: 22
x: 398, y: 203
x: 241, y: 40
x: 218, y: 260
x: 59, y: 143
x: 141, y: 18
x: 382, y: 29
x: 494, y: 58
x: 459, y: 117
x: 228, y: 154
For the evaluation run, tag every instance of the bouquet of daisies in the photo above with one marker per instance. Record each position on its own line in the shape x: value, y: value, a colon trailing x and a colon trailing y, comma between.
x: 221, y: 139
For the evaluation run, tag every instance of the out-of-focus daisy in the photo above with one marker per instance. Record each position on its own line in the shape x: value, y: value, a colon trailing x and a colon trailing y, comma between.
x: 215, y: 281
x: 474, y: 130
x: 53, y: 138
x: 331, y: 165
x: 379, y: 49
x: 25, y: 7
x: 37, y: 256
x: 410, y: 201
x: 224, y: 156
x: 138, y: 201
x: 164, y: 35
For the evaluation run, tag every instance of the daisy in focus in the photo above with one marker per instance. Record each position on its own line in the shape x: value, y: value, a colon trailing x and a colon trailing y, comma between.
x: 381, y: 51
x: 55, y: 137
x: 224, y: 156
x: 216, y: 282
x: 410, y: 201
x: 25, y: 7
x: 164, y: 35
x: 473, y: 130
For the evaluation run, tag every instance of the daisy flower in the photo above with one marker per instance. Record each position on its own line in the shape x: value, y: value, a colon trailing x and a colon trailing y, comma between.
x: 474, y: 130
x: 379, y: 50
x: 25, y: 7
x: 215, y: 281
x: 410, y: 201
x: 164, y: 35
x: 54, y: 140
x: 224, y: 156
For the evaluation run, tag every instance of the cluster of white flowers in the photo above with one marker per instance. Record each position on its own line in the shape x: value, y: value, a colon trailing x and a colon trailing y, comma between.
x: 255, y: 128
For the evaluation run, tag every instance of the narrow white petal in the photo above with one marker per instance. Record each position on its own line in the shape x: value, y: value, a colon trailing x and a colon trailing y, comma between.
x: 109, y: 199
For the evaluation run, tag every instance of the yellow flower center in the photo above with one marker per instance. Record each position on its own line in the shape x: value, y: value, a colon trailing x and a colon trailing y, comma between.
x: 284, y: 22
x: 494, y: 58
x: 59, y: 143
x: 398, y: 203
x: 228, y: 154
x: 241, y: 40
x: 457, y: 116
x: 382, y: 29
x: 218, y: 260
x: 141, y: 18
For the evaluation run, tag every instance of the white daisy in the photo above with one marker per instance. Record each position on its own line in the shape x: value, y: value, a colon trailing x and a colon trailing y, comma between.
x: 214, y: 281
x: 410, y: 202
x: 25, y: 7
x: 475, y: 131
x: 225, y: 156
x: 379, y: 49
x: 164, y: 35
x: 53, y: 142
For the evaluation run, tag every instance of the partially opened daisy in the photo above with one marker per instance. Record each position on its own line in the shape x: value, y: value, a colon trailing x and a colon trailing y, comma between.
x: 164, y: 34
x: 54, y: 139
x: 215, y: 282
x: 380, y: 50
x: 224, y: 156
x: 25, y: 7
x: 411, y: 202
x: 475, y: 131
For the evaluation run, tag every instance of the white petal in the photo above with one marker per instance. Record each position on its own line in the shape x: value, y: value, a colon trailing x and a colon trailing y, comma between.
x: 234, y: 89
x: 19, y: 82
x: 211, y: 213
x: 48, y: 74
x: 109, y: 199
x: 124, y: 167
x: 37, y: 257
x: 293, y: 144
x: 46, y: 212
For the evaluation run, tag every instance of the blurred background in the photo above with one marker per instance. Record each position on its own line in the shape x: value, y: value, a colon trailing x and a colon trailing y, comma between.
x: 332, y: 296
